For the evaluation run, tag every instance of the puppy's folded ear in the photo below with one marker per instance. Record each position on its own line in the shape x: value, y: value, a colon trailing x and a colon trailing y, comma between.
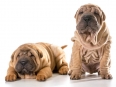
x: 12, y: 56
x: 76, y: 14
x: 103, y: 14
x: 40, y: 54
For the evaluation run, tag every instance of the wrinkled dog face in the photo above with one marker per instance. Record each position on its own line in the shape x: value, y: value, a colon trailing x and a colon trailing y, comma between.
x: 25, y: 62
x: 89, y: 18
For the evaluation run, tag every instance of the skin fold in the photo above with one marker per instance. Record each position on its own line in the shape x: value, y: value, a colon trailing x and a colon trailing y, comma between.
x: 91, y: 48
x: 36, y: 61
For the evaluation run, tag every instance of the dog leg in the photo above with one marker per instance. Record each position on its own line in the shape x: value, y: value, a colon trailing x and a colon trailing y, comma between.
x: 105, y: 63
x: 61, y: 64
x: 11, y: 74
x: 75, y: 63
x: 63, y: 70
x: 44, y: 73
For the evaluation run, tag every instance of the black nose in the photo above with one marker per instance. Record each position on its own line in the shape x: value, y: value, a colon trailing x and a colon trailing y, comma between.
x: 87, y: 18
x: 23, y: 62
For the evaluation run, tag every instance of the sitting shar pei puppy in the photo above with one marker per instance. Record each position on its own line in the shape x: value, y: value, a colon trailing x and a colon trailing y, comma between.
x: 37, y: 60
x: 91, y: 48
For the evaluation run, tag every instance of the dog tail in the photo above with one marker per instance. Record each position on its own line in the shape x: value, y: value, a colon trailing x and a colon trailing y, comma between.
x: 64, y: 46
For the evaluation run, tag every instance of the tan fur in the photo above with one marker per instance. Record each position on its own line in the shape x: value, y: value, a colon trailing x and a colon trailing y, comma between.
x: 53, y: 58
x: 91, y: 56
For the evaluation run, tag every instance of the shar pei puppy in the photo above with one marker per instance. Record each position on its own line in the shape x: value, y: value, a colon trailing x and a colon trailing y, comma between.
x: 36, y: 60
x: 91, y: 47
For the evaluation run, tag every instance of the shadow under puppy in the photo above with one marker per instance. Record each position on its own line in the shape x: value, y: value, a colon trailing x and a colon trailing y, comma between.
x: 91, y: 48
x: 36, y: 60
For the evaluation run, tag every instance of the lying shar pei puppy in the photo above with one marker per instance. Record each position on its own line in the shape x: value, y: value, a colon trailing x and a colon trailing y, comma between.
x: 37, y: 60
x: 91, y: 48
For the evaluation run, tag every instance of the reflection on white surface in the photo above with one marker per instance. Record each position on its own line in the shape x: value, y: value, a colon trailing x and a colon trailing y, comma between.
x: 23, y: 21
x: 63, y: 80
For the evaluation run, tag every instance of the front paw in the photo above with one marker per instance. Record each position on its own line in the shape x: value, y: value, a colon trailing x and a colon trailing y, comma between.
x: 41, y: 77
x: 75, y: 75
x: 106, y: 76
x: 11, y: 77
x: 63, y: 70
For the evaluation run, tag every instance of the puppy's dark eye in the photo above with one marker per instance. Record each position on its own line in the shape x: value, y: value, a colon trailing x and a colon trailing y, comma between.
x: 96, y: 13
x: 81, y: 12
x: 18, y: 56
x: 29, y: 54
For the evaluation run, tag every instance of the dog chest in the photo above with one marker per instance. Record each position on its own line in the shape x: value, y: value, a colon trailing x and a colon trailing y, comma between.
x: 91, y: 56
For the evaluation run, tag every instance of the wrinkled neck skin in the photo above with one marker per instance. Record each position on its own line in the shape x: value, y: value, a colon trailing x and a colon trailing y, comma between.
x: 97, y: 40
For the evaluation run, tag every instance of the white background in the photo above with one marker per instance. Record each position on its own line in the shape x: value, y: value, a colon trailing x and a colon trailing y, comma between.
x: 52, y: 21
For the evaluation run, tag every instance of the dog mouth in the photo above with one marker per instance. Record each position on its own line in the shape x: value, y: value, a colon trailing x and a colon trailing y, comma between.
x: 28, y: 68
x: 25, y: 71
x: 88, y: 31
x: 87, y: 36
